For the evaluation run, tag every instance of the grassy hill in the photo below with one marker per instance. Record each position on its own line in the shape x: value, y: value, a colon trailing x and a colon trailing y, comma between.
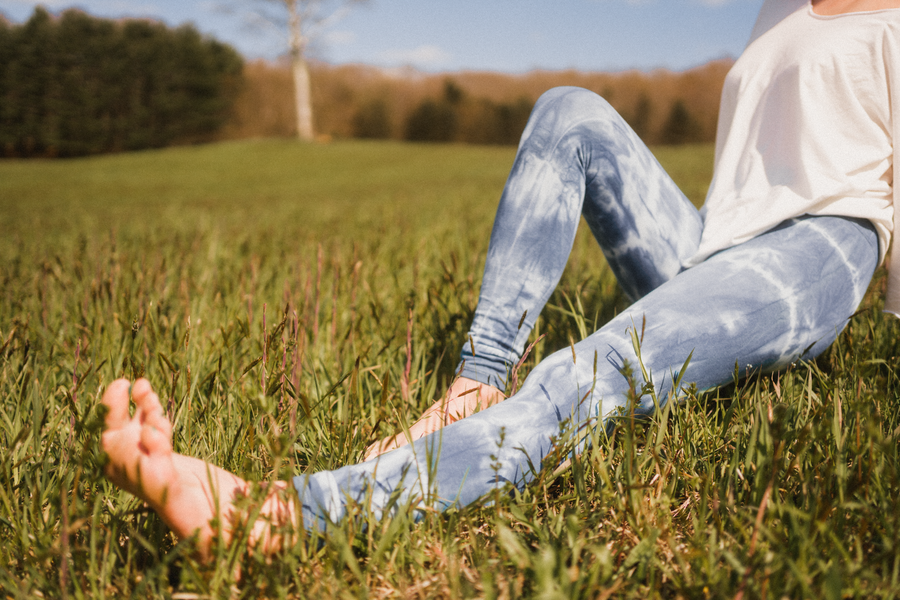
x: 266, y: 289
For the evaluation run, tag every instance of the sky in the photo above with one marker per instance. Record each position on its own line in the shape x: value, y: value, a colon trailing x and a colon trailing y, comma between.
x: 512, y: 36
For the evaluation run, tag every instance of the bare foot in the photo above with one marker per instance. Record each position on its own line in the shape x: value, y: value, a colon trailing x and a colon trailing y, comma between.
x: 187, y: 493
x: 465, y: 397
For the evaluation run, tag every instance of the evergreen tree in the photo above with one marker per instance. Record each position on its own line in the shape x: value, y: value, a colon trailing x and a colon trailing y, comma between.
x: 436, y: 121
x: 372, y: 120
x: 432, y: 121
x: 77, y: 85
x: 6, y: 57
x: 511, y: 120
x: 639, y: 119
x: 680, y: 127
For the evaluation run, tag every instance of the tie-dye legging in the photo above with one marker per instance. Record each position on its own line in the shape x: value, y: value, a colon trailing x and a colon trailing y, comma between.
x: 777, y: 298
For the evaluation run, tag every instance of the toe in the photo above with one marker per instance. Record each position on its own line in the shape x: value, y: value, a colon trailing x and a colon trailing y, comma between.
x: 144, y: 397
x: 157, y: 419
x: 116, y: 400
x: 140, y: 390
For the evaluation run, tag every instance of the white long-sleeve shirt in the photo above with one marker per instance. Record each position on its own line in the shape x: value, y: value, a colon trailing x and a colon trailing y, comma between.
x: 806, y: 127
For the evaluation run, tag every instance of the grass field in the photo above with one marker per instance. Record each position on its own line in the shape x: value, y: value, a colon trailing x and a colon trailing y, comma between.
x: 266, y: 288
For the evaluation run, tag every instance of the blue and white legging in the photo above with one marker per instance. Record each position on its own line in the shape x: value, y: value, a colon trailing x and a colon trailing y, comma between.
x: 780, y: 297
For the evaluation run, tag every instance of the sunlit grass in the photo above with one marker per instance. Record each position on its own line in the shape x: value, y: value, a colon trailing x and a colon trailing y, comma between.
x: 265, y: 289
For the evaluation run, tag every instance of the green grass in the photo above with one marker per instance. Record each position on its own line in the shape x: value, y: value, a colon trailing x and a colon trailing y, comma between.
x: 265, y: 287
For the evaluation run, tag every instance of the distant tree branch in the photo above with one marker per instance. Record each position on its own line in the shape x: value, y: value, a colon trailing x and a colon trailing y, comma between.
x: 303, y: 20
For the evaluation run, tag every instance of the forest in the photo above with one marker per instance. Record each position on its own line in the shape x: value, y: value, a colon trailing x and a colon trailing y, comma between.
x: 358, y: 101
x: 72, y: 84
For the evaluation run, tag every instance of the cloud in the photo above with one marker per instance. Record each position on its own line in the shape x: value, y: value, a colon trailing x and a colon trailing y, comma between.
x: 423, y: 56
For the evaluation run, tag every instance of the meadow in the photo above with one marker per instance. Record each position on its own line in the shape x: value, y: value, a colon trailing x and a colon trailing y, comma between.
x: 292, y: 303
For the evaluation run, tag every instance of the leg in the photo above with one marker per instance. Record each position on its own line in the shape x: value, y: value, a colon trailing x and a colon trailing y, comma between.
x: 778, y: 298
x: 577, y: 157
x: 188, y: 493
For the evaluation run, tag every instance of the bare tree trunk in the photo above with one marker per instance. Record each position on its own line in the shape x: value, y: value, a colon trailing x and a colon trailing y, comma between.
x: 302, y: 93
x: 303, y: 99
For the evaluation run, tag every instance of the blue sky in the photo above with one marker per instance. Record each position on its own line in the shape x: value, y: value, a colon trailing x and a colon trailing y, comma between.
x: 448, y: 35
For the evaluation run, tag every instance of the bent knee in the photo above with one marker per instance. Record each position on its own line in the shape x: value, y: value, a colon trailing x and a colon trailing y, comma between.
x: 562, y: 109
x: 572, y: 103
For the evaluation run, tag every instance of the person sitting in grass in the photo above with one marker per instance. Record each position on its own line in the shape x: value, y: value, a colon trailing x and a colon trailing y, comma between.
x: 798, y: 216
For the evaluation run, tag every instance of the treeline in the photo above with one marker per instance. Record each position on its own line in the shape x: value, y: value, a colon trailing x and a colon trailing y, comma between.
x: 473, y: 107
x: 74, y: 84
